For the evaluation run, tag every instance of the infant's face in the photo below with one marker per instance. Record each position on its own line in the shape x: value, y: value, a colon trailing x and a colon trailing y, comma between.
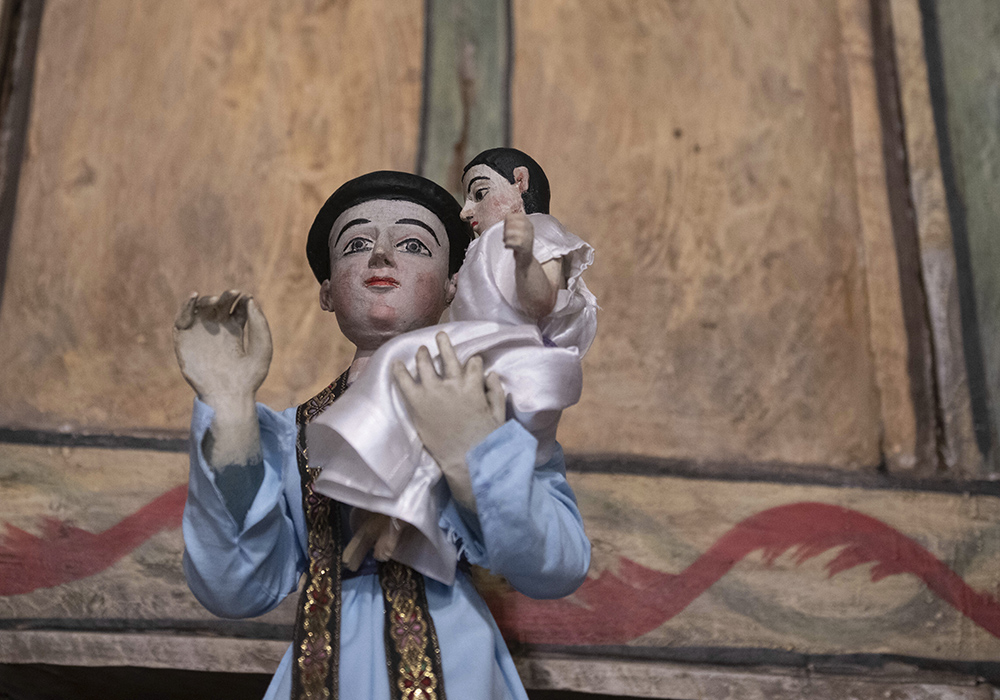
x: 488, y: 197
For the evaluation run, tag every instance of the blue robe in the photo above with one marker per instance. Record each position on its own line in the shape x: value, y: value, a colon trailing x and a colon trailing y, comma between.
x: 528, y: 530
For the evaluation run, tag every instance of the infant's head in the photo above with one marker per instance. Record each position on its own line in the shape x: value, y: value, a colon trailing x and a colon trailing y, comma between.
x: 502, y: 181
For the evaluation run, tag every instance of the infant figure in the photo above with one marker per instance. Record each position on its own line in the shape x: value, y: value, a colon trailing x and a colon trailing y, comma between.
x: 521, y: 305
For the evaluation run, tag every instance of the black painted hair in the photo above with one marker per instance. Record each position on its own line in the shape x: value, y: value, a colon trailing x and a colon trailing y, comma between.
x: 387, y: 184
x: 503, y: 161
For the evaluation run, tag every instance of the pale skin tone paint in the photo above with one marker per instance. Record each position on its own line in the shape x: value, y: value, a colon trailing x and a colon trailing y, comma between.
x: 389, y: 274
x: 489, y: 199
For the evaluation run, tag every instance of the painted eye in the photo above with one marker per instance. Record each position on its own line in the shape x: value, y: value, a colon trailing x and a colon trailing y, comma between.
x: 414, y: 246
x: 357, y: 245
x: 479, y: 194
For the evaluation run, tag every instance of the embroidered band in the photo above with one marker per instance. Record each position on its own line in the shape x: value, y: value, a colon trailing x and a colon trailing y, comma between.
x: 412, y: 653
x: 316, y: 671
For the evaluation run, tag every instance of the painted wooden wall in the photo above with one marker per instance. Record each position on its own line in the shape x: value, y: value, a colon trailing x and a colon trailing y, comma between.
x: 774, y: 454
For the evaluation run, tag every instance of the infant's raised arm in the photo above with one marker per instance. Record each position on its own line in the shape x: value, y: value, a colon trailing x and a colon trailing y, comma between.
x: 537, y: 284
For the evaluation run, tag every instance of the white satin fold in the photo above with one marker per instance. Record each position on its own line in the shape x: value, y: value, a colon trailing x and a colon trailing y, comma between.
x: 369, y: 452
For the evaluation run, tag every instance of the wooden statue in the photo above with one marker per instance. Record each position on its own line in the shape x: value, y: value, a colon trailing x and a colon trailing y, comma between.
x: 385, y: 249
x: 521, y: 306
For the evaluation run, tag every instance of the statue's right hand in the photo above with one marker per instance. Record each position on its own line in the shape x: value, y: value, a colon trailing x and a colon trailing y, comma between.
x: 223, y: 346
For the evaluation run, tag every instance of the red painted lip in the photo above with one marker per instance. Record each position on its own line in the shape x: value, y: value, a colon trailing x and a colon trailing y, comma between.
x: 381, y: 282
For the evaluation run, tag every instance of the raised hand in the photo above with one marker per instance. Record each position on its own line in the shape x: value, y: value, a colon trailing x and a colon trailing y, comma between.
x: 223, y: 347
x: 519, y: 236
x: 453, y: 411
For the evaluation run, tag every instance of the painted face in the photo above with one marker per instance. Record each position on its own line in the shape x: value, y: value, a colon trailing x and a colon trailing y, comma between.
x: 388, y: 271
x: 489, y: 197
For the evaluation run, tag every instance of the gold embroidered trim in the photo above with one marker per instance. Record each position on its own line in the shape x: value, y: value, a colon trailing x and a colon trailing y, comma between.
x: 413, y: 655
x: 412, y: 652
x: 317, y: 663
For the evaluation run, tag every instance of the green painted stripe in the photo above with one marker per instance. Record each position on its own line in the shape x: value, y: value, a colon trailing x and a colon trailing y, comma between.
x: 466, y: 99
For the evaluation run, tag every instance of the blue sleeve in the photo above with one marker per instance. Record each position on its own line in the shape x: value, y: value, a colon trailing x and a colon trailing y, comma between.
x: 243, y: 565
x: 528, y: 528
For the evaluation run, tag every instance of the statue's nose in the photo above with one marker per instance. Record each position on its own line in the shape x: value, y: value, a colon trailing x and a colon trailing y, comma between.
x: 381, y: 256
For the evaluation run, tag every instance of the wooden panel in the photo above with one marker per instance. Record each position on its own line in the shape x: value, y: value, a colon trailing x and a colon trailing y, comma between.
x: 678, y: 564
x: 606, y: 676
x: 688, y: 563
x: 707, y: 150
x: 187, y: 146
x: 637, y: 679
x: 467, y: 87
x: 971, y: 64
x: 904, y: 446
x: 93, y: 534
x: 958, y: 449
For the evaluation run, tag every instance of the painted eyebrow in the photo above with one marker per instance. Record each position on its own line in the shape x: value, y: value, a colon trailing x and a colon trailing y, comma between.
x: 421, y: 224
x: 478, y: 177
x: 352, y: 222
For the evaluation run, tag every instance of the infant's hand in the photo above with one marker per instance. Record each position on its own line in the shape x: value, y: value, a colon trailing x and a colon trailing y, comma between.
x: 376, y: 532
x: 519, y: 236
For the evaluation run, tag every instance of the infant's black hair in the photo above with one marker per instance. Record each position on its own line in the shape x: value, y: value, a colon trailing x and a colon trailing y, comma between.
x: 503, y: 161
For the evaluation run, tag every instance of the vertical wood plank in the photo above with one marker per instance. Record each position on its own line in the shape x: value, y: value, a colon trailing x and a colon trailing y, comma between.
x: 964, y: 67
x: 466, y: 85
x: 958, y: 450
x: 904, y: 446
x: 20, y: 21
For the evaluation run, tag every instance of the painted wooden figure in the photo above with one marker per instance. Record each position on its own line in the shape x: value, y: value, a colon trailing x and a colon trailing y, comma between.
x: 385, y: 248
x: 521, y: 306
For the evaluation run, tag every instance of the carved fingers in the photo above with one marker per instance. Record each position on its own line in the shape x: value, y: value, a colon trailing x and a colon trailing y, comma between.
x: 223, y: 343
x: 519, y: 235
x: 452, y: 411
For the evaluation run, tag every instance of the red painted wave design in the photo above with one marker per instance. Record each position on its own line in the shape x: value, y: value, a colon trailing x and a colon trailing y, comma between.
x: 615, y: 608
x: 611, y: 608
x: 63, y: 553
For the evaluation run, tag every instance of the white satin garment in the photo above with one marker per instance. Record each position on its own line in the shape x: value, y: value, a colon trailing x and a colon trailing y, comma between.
x: 369, y: 452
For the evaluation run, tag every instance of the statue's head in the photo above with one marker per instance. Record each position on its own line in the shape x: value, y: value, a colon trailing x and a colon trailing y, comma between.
x: 385, y: 248
x: 502, y: 181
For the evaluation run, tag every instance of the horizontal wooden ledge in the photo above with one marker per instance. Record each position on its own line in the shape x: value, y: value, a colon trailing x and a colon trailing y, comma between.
x: 657, y: 679
x: 209, y: 627
x: 155, y: 441
x: 871, y: 477
x: 541, y: 671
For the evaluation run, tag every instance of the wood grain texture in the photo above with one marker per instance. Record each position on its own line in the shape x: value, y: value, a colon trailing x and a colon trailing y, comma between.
x: 971, y: 66
x: 783, y: 602
x: 538, y: 671
x: 958, y: 450
x: 51, y: 492
x: 706, y: 150
x: 466, y: 105
x: 187, y: 146
x: 902, y: 444
x: 636, y: 679
x: 191, y: 652
x: 647, y: 532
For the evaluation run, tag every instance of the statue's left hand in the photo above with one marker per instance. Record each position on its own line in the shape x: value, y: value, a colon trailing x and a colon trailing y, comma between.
x: 453, y: 411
